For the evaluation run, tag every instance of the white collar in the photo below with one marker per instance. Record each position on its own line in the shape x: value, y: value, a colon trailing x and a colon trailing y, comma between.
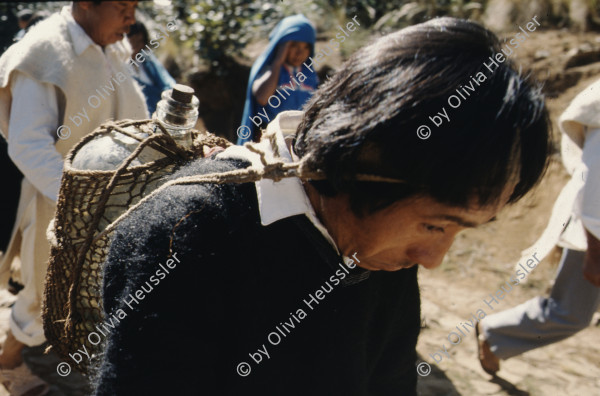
x: 285, y: 198
x: 81, y: 40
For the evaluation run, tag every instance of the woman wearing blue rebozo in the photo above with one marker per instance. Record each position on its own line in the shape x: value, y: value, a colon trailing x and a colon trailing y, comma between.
x: 151, y: 75
x: 279, y: 72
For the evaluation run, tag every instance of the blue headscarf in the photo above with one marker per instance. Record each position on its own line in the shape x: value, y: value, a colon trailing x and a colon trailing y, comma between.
x: 161, y: 81
x: 292, y: 28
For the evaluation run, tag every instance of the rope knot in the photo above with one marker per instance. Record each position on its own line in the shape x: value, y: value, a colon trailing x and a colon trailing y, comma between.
x: 274, y: 171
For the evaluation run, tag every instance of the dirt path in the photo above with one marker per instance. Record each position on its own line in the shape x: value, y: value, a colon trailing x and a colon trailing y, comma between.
x: 479, y: 262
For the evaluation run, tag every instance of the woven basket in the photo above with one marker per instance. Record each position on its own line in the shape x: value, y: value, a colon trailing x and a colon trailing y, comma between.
x: 88, y: 202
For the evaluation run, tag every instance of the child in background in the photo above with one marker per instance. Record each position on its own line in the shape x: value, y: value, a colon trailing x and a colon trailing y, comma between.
x: 280, y: 71
x: 152, y: 77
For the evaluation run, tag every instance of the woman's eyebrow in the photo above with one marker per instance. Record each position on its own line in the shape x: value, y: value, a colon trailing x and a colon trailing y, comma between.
x: 460, y: 221
x: 455, y: 219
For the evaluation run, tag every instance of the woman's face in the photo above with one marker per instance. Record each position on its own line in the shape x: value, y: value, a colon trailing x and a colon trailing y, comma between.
x: 109, y: 21
x: 298, y: 53
x: 137, y: 43
x: 412, y: 232
x: 415, y: 231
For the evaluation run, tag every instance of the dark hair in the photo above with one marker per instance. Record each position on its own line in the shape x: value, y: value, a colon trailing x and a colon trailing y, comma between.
x: 365, y: 120
x: 24, y: 15
x: 139, y: 28
x: 37, y: 17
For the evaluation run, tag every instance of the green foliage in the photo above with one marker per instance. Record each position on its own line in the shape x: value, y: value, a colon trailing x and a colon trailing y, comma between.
x: 219, y: 29
x: 8, y: 18
x: 418, y: 11
x: 366, y: 10
x: 224, y: 27
x: 374, y: 11
x: 8, y: 26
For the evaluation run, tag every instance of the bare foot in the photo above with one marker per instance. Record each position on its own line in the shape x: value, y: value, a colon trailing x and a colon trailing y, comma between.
x: 16, y: 378
x: 489, y: 362
x: 10, y: 355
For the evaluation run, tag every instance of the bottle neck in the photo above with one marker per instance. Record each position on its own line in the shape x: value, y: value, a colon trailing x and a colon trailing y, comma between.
x: 178, y: 112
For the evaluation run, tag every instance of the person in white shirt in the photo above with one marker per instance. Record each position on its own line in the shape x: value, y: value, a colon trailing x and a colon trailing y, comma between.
x: 575, y: 226
x: 60, y: 82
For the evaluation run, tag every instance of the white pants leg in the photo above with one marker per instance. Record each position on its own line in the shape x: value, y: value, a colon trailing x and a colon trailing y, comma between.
x: 25, y: 318
x: 543, y: 321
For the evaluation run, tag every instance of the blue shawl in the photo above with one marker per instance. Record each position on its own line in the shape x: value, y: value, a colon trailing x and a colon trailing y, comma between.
x: 161, y: 81
x: 292, y: 28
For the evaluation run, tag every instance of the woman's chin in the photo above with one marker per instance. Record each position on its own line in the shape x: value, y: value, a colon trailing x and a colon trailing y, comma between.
x: 381, y: 266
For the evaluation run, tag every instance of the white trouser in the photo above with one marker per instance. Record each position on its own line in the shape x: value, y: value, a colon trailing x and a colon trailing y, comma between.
x: 33, y: 252
x: 542, y: 321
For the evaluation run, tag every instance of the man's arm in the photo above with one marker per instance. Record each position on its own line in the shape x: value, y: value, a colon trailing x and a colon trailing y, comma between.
x: 32, y: 125
x: 266, y: 85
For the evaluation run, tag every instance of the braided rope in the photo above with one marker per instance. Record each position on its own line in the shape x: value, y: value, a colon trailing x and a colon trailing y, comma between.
x: 275, y: 171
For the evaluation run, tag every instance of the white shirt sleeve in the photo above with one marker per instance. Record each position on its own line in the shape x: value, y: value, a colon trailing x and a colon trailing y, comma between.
x: 590, y: 208
x: 32, y: 131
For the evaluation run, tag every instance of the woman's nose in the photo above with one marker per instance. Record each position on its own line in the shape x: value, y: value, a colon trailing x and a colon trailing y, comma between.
x: 431, y: 256
x: 130, y: 17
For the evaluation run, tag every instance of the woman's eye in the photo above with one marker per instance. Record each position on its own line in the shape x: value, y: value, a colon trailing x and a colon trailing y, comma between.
x: 432, y: 228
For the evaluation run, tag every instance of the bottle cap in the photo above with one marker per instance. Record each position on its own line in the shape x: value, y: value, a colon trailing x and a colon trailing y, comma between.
x: 182, y: 93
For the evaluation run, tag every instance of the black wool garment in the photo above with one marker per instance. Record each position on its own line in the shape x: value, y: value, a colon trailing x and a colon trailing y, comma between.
x: 248, y: 309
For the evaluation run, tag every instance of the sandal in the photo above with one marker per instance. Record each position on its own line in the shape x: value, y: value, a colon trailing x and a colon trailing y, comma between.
x: 20, y: 381
x: 489, y: 362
